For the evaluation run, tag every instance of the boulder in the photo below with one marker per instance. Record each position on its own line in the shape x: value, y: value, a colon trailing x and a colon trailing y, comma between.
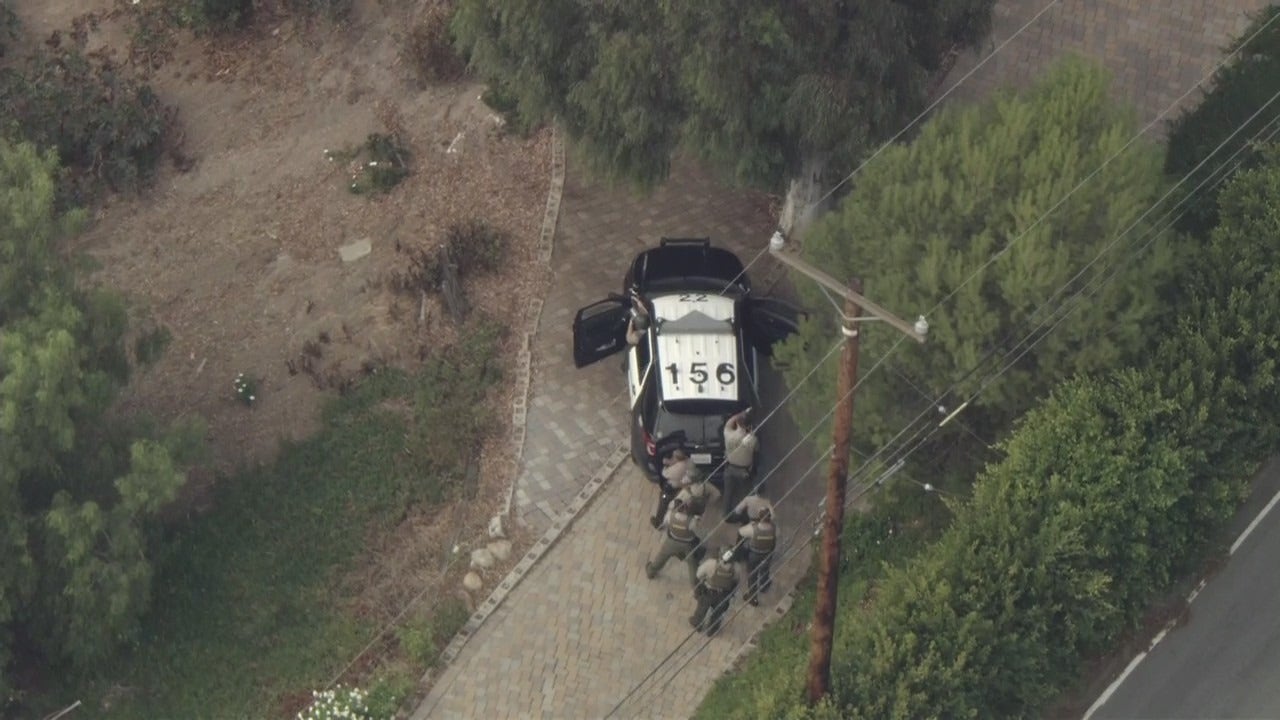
x: 472, y: 581
x: 481, y: 558
x: 500, y: 549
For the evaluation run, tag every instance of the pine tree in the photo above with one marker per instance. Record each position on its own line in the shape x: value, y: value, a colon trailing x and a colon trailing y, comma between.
x: 762, y: 89
x: 1240, y: 90
x: 926, y: 216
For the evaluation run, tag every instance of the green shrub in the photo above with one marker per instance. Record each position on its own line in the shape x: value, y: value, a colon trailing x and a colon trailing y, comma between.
x: 380, y: 163
x: 8, y: 27
x: 1239, y: 89
x: 387, y: 693
x: 151, y: 344
x: 1109, y: 489
x: 336, y: 10
x: 426, y: 635
x: 429, y: 47
x: 108, y: 128
x: 476, y: 246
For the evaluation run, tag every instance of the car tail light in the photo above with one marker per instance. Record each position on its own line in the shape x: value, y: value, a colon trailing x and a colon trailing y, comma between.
x: 649, y: 445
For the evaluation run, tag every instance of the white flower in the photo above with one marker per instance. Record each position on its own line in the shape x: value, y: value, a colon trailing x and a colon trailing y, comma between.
x: 251, y: 398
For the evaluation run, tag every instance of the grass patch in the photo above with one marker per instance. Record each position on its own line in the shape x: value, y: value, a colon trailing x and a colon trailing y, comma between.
x: 423, y: 638
x: 248, y: 611
x: 769, y: 679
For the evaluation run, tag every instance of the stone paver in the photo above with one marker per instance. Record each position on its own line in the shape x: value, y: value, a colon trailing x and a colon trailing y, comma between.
x: 585, y: 625
x: 1155, y: 49
x: 577, y: 417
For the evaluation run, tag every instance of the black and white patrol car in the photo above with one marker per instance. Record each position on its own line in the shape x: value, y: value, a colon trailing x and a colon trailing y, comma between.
x: 698, y: 364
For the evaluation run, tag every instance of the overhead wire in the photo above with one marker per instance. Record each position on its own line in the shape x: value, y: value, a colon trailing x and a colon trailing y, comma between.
x: 995, y: 256
x: 918, y: 441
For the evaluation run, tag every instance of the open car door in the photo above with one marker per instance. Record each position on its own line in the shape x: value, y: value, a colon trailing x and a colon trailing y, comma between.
x: 600, y: 330
x: 770, y: 321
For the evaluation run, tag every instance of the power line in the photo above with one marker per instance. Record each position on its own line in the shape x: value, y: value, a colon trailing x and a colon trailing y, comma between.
x: 1155, y: 232
x: 936, y: 102
x: 1105, y: 163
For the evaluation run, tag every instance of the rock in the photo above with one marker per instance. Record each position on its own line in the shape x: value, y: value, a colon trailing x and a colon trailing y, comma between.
x: 472, y: 581
x: 355, y: 251
x: 495, y: 528
x: 500, y: 549
x: 481, y: 558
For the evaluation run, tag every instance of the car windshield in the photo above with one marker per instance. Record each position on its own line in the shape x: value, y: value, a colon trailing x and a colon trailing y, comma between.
x: 691, y: 269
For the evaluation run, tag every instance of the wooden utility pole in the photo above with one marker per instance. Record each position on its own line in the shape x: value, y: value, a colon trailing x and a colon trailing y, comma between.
x: 818, y: 683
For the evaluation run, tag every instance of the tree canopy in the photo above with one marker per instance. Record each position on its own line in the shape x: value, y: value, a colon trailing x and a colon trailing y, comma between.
x: 972, y: 187
x: 78, y: 496
x: 1240, y: 91
x: 753, y: 87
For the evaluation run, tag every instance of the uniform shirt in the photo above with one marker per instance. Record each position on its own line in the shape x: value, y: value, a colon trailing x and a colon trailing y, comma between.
x: 634, y: 335
x: 748, y: 531
x: 693, y: 519
x: 675, y: 472
x: 739, y: 444
x: 690, y: 491
x: 752, y: 506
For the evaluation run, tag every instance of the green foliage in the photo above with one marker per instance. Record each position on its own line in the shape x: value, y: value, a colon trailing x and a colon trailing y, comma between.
x: 380, y: 163
x: 424, y: 637
x: 340, y: 703
x: 208, y: 15
x: 246, y: 387
x: 476, y: 246
x: 78, y: 496
x: 770, y: 682
x: 107, y: 128
x: 254, y: 588
x: 151, y: 344
x: 335, y: 10
x: 9, y: 26
x: 925, y: 216
x: 754, y: 87
x: 1239, y: 90
x: 429, y: 48
x: 1109, y: 489
x: 388, y: 693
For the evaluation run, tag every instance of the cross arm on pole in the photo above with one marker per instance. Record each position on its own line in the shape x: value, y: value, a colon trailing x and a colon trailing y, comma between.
x: 793, y: 260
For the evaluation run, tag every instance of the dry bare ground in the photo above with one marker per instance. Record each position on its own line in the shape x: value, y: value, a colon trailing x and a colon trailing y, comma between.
x: 238, y: 257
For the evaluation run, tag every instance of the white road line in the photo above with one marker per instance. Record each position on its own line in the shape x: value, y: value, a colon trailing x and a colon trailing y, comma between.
x: 1111, y: 689
x: 1240, y: 540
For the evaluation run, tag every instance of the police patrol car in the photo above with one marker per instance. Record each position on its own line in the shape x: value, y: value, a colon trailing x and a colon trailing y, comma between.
x: 697, y: 363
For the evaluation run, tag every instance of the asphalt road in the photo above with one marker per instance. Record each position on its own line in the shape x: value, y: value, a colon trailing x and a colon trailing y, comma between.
x: 1224, y: 662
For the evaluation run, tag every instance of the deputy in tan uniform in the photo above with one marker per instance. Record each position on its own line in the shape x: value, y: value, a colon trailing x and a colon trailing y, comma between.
x: 757, y: 541
x: 696, y: 492
x: 749, y: 510
x: 740, y: 457
x: 674, y: 471
x: 717, y: 578
x: 679, y: 541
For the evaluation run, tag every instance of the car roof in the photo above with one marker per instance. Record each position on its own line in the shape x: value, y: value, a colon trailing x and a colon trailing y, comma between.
x: 694, y: 335
x: 688, y: 266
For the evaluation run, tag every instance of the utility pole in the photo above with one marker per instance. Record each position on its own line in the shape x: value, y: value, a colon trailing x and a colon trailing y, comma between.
x: 818, y: 681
